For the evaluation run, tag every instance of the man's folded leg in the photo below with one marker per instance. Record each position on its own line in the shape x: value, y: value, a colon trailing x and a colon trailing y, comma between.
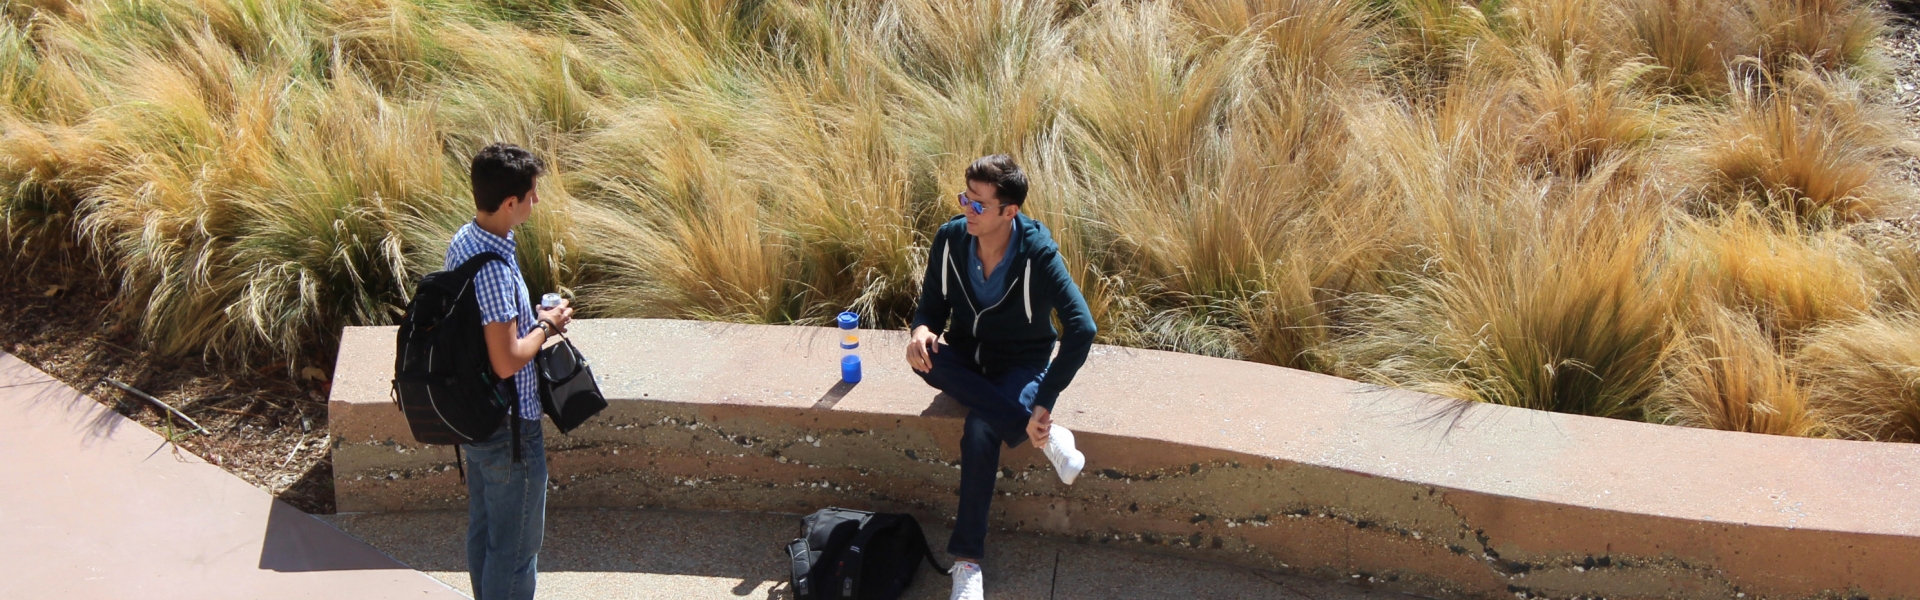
x: 998, y: 398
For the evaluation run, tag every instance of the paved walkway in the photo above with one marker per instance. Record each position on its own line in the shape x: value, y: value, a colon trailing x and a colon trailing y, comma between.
x: 98, y: 506
x: 645, y: 553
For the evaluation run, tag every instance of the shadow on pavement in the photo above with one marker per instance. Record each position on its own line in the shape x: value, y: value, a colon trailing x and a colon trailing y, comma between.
x: 297, y: 542
x: 95, y: 424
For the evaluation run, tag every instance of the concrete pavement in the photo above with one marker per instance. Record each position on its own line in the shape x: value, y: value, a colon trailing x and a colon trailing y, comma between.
x: 98, y: 506
x: 593, y: 553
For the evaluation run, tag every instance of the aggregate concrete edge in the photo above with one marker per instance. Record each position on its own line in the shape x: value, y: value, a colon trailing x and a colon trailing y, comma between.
x: 701, y: 452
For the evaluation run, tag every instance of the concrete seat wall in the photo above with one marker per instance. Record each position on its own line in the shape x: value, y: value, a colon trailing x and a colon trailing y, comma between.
x: 1233, y: 461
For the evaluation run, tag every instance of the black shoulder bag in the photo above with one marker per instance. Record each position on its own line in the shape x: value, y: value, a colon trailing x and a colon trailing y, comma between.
x: 568, y: 392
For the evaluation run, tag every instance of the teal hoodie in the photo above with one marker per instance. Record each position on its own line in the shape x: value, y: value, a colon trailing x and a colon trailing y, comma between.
x: 1018, y: 330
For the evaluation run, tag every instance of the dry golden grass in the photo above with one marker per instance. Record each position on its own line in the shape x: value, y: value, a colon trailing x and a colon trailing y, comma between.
x: 1866, y: 373
x: 1560, y: 204
x: 1526, y: 295
x: 1832, y: 34
x: 1789, y: 279
x: 1732, y: 376
x: 1692, y: 40
x: 1807, y: 143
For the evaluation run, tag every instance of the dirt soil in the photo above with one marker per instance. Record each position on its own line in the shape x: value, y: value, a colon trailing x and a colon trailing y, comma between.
x: 268, y: 423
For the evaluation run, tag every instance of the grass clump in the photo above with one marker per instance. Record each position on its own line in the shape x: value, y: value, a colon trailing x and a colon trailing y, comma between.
x: 1732, y: 376
x: 1866, y: 373
x: 1809, y: 145
x: 1655, y: 210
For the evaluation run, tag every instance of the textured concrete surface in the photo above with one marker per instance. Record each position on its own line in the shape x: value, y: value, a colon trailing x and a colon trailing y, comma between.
x: 97, y: 506
x: 672, y: 554
x: 1230, y: 461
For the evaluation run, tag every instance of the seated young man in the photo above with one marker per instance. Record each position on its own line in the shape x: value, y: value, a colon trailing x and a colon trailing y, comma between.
x: 506, y: 499
x: 994, y: 281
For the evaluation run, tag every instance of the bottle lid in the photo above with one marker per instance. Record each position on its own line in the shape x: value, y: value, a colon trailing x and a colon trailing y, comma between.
x: 849, y: 320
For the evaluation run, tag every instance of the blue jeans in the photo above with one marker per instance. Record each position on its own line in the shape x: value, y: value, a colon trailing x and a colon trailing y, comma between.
x: 998, y: 407
x: 506, y: 512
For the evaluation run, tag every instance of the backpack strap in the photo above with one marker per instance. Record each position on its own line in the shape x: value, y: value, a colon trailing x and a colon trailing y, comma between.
x: 513, y: 411
x: 472, y: 266
x: 914, y: 525
x: 513, y: 415
x: 802, y: 568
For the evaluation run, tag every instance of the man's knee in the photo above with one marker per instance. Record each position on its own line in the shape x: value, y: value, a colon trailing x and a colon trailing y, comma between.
x: 942, y: 369
x: 979, y: 437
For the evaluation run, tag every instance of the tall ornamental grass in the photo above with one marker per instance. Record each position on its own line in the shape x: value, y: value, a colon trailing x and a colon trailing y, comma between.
x: 1681, y: 212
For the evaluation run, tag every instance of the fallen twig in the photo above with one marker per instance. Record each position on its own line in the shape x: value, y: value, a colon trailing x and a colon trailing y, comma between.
x: 243, y: 413
x: 296, y: 450
x: 143, y: 396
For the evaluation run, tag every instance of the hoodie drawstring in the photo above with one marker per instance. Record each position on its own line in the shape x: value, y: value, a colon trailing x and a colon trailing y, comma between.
x: 1026, y: 291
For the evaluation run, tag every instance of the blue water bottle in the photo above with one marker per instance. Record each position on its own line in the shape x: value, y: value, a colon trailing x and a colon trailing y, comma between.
x: 849, y: 347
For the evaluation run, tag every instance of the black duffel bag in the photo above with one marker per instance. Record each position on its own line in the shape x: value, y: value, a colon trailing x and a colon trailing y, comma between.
x: 851, y: 554
x: 568, y: 392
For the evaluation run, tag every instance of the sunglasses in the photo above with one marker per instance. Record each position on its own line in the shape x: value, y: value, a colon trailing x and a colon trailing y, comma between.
x: 978, y: 208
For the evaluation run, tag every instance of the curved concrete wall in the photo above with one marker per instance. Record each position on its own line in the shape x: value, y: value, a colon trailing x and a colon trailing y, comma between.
x: 1232, y: 461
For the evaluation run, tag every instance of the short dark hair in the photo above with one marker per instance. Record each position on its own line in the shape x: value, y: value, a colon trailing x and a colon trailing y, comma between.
x: 1009, y: 182
x: 503, y: 171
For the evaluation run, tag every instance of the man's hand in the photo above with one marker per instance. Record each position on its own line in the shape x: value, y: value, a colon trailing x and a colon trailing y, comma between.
x: 920, y: 350
x: 561, y: 315
x: 1040, y: 425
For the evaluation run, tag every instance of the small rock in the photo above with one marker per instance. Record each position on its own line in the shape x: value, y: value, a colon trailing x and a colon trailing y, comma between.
x: 313, y: 374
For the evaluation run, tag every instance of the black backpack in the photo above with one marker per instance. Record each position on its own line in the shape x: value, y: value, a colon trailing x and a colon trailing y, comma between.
x: 855, y: 554
x: 442, y: 379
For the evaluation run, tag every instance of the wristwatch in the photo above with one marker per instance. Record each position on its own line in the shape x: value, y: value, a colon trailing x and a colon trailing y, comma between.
x: 548, y: 326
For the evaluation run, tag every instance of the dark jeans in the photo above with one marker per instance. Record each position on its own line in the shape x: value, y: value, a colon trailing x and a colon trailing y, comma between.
x: 506, y: 512
x: 998, y: 407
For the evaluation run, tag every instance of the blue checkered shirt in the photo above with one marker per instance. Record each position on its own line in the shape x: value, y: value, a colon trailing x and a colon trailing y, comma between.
x: 503, y: 297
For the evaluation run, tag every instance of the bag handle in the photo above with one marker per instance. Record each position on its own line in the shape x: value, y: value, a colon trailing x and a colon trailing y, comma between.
x: 578, y: 360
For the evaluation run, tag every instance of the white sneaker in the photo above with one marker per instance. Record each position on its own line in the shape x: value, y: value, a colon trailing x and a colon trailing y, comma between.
x: 967, y: 583
x: 1059, y: 449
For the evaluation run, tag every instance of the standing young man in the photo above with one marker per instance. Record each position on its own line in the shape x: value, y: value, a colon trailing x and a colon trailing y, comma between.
x: 994, y: 281
x: 506, y: 496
